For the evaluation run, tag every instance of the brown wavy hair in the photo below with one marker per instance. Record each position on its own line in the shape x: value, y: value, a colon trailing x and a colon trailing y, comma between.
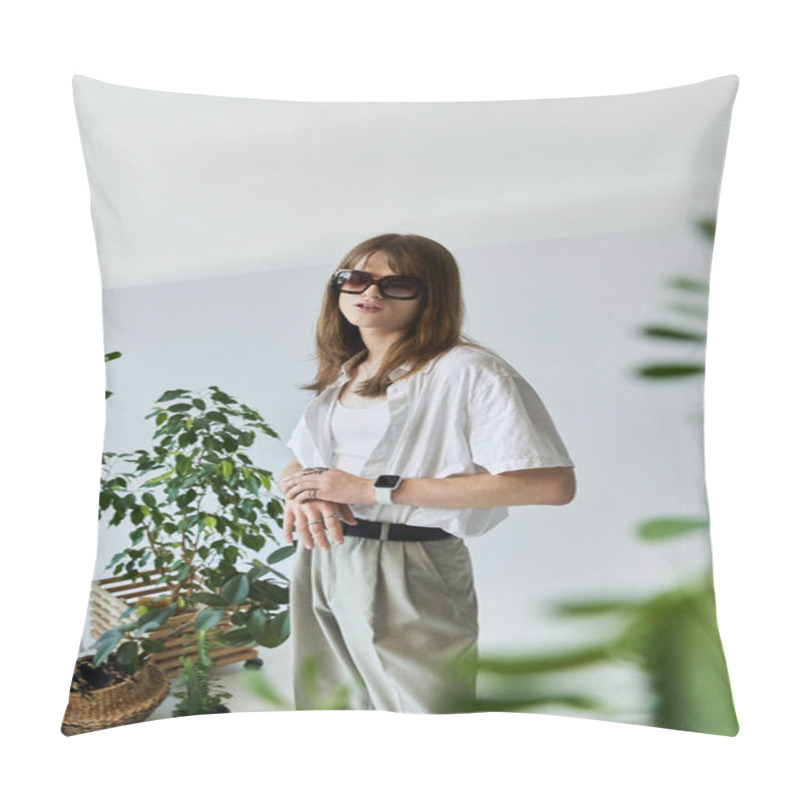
x: 436, y: 330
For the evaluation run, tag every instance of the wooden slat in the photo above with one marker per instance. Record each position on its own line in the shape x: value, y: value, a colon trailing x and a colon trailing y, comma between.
x: 171, y: 666
x: 108, y: 602
x: 154, y: 587
x: 118, y: 578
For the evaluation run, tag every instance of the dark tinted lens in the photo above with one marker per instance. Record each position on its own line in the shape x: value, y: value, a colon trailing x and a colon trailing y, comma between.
x: 352, y: 281
x: 399, y: 287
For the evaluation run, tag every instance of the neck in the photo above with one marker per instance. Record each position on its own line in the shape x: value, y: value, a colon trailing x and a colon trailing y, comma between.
x: 377, y: 344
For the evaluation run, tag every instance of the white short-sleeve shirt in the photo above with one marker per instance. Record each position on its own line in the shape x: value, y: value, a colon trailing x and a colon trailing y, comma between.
x: 464, y: 413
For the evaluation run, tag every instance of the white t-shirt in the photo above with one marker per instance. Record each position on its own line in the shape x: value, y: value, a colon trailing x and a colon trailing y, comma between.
x: 355, y: 433
x: 464, y: 413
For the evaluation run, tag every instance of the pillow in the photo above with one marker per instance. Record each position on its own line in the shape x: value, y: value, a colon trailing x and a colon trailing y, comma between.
x: 404, y: 407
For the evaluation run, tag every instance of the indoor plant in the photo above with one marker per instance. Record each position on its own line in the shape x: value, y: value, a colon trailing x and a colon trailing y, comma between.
x: 206, y: 509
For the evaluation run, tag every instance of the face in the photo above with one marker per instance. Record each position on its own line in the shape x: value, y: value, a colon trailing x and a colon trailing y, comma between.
x: 391, y: 314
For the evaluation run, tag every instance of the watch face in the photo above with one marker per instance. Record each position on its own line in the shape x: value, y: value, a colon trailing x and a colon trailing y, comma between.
x: 387, y: 481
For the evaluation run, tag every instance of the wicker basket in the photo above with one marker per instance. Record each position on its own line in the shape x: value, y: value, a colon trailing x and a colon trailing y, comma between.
x: 130, y: 700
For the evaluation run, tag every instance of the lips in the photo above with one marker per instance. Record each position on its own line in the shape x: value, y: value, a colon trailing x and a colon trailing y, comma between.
x: 367, y: 307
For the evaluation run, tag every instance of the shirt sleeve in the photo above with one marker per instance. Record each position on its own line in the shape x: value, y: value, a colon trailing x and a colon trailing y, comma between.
x: 296, y: 440
x: 509, y: 428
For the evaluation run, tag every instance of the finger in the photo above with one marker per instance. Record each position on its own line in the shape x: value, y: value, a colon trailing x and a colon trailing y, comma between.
x: 318, y: 533
x: 288, y: 523
x: 302, y: 492
x: 303, y: 533
x: 335, y: 530
x: 347, y: 513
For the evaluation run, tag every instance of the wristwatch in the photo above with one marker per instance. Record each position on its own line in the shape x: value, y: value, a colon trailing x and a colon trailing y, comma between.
x: 384, y: 485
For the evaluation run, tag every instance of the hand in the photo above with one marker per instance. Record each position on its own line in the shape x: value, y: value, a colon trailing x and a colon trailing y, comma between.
x: 318, y: 522
x: 333, y: 485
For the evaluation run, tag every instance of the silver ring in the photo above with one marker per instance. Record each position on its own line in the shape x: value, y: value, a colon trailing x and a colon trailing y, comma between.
x: 316, y: 522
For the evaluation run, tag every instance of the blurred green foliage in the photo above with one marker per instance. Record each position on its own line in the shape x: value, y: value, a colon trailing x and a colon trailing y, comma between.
x: 672, y: 636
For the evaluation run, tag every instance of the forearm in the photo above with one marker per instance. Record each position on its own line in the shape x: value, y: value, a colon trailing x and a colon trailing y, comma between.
x: 545, y: 486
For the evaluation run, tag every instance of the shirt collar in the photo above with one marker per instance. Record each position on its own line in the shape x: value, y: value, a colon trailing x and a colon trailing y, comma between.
x: 393, y: 375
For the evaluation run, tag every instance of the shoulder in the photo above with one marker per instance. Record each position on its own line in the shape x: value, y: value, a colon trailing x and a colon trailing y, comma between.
x: 471, y: 371
x: 476, y: 362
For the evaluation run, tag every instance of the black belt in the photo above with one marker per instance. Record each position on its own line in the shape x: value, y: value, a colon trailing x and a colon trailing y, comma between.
x: 397, y: 531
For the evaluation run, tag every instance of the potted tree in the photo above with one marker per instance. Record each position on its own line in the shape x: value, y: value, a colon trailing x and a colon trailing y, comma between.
x: 197, y: 507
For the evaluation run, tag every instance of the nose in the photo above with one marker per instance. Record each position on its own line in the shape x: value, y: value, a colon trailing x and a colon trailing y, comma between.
x: 372, y: 291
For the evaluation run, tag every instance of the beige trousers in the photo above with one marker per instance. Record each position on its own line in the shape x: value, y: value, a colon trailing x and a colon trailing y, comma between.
x: 394, y: 623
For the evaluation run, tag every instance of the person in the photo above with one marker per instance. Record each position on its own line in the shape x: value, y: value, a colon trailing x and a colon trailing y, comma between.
x: 417, y: 438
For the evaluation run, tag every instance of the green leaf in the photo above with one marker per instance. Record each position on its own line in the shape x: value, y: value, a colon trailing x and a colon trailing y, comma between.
x: 253, y: 541
x: 229, y: 443
x: 207, y: 618
x: 670, y: 370
x: 708, y: 227
x: 171, y: 395
x: 669, y: 528
x: 210, y: 521
x: 155, y: 618
x: 264, y: 590
x: 235, y: 590
x: 661, y: 332
x: 547, y: 662
x: 277, y: 631
x: 231, y: 554
x: 105, y: 645
x: 281, y: 553
x: 240, y: 617
x: 690, y: 284
x: 254, y: 573
x: 237, y: 636
x: 589, y: 608
x: 257, y: 625
x: 127, y: 655
x: 209, y: 599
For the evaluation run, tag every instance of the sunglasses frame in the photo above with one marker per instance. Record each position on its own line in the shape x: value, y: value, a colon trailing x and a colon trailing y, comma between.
x: 338, y: 279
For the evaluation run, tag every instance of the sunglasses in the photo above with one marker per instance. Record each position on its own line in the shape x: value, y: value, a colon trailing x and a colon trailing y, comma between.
x: 397, y: 287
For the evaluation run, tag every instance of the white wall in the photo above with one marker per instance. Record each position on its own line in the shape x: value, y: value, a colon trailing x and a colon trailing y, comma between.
x: 565, y: 312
